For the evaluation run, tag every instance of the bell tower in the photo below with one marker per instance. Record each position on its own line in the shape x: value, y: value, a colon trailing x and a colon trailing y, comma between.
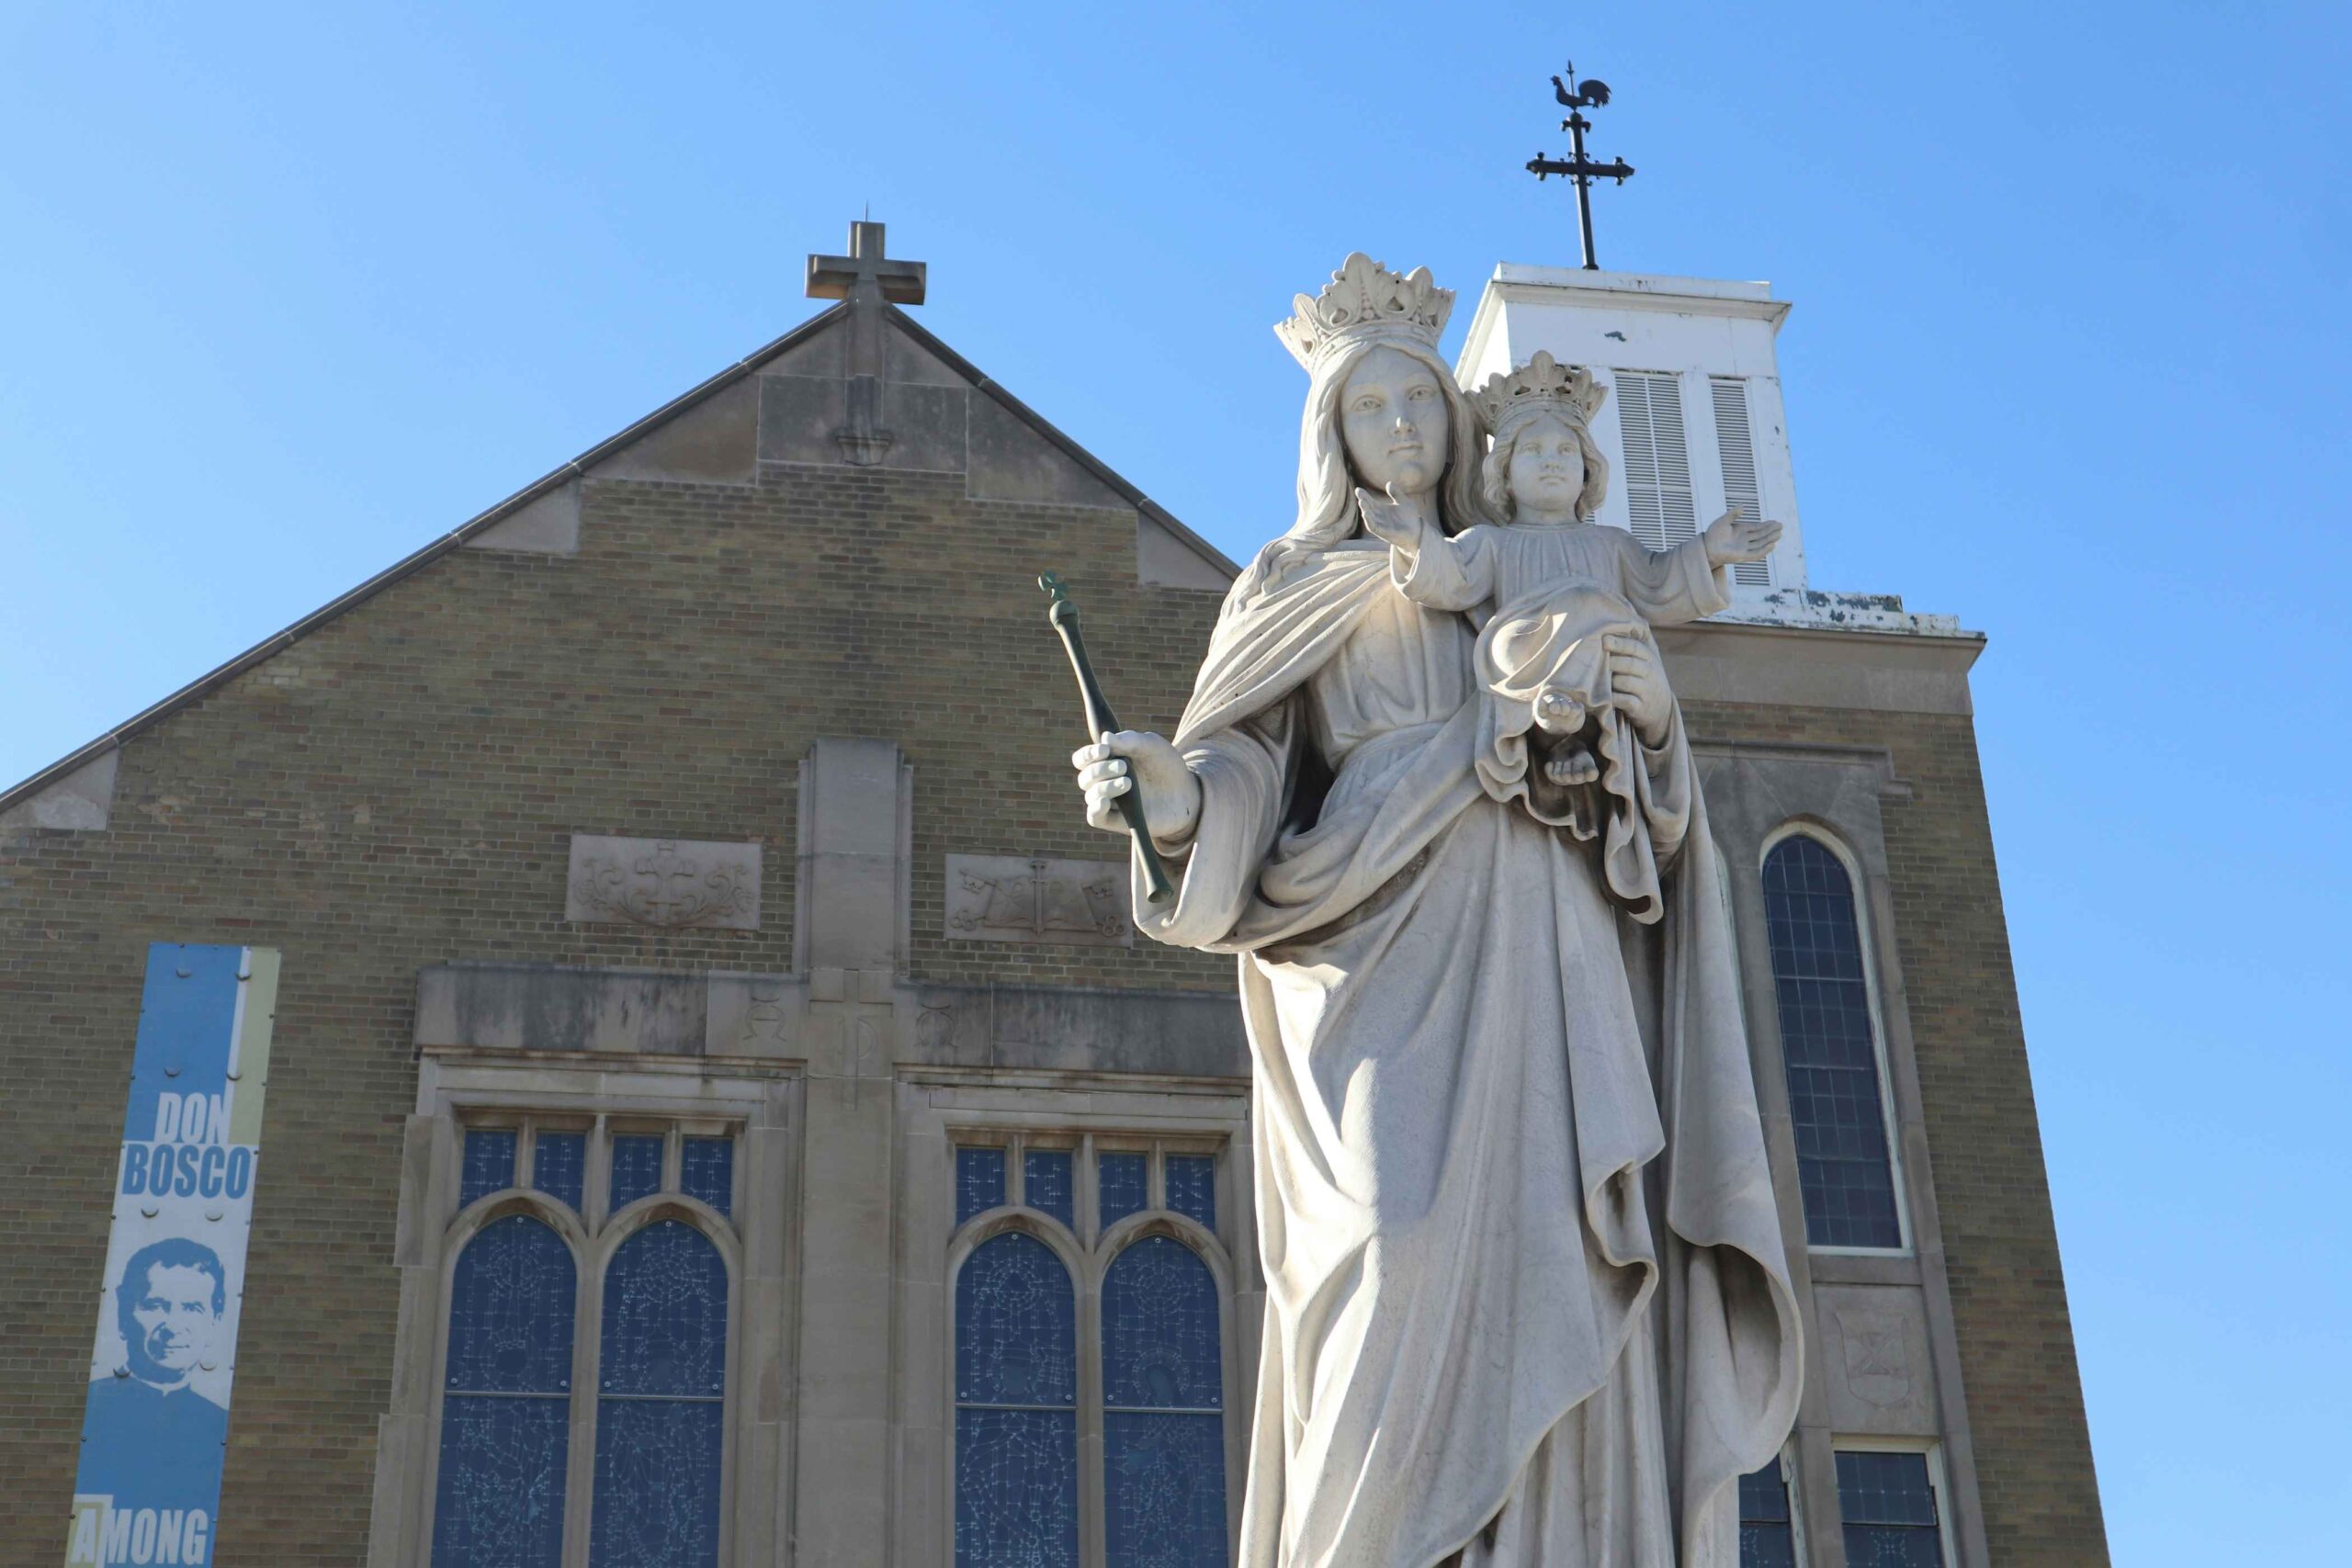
x: 1693, y: 425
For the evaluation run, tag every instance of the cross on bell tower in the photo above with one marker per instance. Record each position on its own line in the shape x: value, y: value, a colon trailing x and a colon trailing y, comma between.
x: 1578, y: 169
x: 868, y: 280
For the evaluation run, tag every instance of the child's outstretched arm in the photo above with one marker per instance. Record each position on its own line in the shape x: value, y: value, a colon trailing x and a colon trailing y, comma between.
x: 1428, y: 567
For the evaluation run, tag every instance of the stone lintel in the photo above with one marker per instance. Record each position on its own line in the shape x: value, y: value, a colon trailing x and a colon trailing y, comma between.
x: 545, y: 1007
x: 1080, y: 1029
x: 534, y: 1007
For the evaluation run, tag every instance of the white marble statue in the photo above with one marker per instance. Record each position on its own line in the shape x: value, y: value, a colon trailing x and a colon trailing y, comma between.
x: 1526, y: 1298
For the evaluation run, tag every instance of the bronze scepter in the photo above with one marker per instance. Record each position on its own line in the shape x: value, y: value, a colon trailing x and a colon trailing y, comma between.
x: 1099, y: 721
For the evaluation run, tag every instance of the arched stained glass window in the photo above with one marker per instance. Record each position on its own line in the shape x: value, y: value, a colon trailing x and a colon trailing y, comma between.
x: 507, y: 1400
x: 660, y: 1394
x: 1016, y: 1408
x: 1163, y: 1397
x: 1829, y: 1043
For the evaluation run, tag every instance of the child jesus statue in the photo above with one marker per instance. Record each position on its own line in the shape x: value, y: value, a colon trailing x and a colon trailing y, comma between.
x: 1551, y: 591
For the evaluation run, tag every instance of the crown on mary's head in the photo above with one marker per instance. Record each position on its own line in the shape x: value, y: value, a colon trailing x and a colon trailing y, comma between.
x: 1542, y: 385
x: 1365, y: 299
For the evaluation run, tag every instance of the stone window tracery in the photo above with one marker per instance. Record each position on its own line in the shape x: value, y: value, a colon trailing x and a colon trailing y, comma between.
x: 1090, y: 1300
x: 586, y: 1346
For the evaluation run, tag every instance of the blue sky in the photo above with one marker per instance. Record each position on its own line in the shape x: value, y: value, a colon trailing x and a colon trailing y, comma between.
x: 291, y: 290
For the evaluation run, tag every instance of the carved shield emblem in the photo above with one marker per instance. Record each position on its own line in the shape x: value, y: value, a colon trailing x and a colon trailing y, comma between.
x: 1878, y: 1368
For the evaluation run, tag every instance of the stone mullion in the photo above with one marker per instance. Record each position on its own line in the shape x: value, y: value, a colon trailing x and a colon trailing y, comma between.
x: 1092, y: 1489
x: 596, y: 1190
x: 580, y: 1459
x: 1086, y: 1199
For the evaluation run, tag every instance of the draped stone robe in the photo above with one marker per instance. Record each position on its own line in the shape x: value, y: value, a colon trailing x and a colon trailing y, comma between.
x: 1492, y: 1117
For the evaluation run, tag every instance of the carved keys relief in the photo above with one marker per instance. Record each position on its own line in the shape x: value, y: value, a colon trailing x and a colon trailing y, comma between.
x: 1013, y: 898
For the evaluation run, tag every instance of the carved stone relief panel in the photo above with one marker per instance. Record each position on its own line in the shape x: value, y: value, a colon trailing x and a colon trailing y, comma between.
x: 664, y: 883
x: 757, y: 1015
x: 1875, y: 1345
x: 1083, y: 903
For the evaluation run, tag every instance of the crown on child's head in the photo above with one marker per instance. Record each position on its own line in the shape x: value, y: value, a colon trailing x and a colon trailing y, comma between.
x: 1543, y: 385
x: 1363, y: 302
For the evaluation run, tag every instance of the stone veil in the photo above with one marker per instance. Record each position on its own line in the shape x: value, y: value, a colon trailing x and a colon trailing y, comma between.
x: 1527, y: 1302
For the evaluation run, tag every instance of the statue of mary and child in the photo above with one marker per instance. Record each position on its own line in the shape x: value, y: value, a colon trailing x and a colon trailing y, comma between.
x: 1527, y: 1302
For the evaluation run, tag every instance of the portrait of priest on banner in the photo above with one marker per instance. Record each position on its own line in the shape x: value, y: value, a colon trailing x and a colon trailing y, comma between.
x: 151, y: 1433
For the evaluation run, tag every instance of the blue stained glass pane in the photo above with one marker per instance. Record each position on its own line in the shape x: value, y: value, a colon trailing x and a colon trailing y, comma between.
x: 979, y: 1182
x: 1120, y: 1180
x: 1888, y: 1511
x: 636, y: 1166
x: 489, y: 1164
x: 666, y: 1314
x: 1192, y: 1188
x: 1766, y: 1539
x: 1016, y: 1328
x: 706, y: 1170
x: 1161, y: 1346
x: 1016, y: 1488
x: 1827, y: 1041
x: 560, y: 1166
x: 1163, y: 1484
x: 1885, y: 1489
x: 657, y: 1483
x: 506, y: 1416
x: 1764, y: 1495
x: 510, y: 1310
x: 1016, y: 1464
x: 500, y: 1496
x: 1045, y: 1183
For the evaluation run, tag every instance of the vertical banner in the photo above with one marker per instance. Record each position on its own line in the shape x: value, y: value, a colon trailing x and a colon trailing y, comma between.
x: 153, y: 1429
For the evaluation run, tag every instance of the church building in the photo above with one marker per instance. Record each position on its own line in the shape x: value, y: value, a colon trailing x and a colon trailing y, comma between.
x: 628, y: 1052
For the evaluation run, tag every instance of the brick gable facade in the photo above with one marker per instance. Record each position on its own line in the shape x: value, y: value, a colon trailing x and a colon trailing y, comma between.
x: 651, y: 645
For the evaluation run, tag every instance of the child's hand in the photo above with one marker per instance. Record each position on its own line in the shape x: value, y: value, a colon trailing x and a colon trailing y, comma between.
x: 1731, y: 538
x: 1389, y: 519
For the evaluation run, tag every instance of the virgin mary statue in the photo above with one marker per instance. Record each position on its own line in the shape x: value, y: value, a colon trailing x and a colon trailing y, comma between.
x: 1526, y: 1300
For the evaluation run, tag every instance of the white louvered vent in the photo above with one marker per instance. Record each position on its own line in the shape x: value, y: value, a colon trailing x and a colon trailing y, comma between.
x: 1658, y: 459
x: 1737, y: 448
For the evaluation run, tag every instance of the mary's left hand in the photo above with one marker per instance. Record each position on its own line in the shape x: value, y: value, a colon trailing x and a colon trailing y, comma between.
x: 1637, y: 686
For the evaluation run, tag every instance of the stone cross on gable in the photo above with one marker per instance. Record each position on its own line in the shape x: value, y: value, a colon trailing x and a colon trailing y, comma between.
x: 865, y: 273
x: 868, y: 280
